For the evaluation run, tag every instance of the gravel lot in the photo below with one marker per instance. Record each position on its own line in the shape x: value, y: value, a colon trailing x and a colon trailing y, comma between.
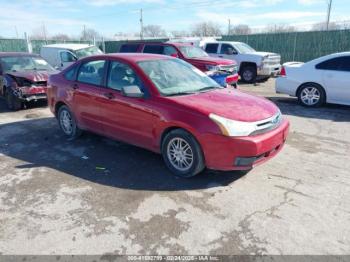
x: 122, y: 199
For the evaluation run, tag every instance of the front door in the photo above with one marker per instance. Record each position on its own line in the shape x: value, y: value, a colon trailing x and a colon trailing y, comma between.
x: 125, y: 118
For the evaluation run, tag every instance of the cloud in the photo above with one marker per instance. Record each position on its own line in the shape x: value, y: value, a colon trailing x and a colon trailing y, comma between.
x: 311, y: 2
x: 102, y: 3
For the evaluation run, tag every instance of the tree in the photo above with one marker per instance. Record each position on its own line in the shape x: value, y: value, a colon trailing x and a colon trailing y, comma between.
x: 323, y: 26
x: 206, y: 29
x: 279, y: 28
x: 39, y: 33
x: 89, y: 34
x: 180, y: 33
x: 154, y: 31
x: 60, y: 37
x: 240, y: 30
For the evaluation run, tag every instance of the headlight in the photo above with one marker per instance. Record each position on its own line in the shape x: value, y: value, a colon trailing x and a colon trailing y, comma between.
x: 230, y: 127
x: 212, y: 68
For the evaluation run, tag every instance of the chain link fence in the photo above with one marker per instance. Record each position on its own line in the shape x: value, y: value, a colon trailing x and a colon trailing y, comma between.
x: 297, y: 46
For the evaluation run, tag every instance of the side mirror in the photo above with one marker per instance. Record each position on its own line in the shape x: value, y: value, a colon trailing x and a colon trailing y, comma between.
x: 174, y: 55
x: 132, y: 91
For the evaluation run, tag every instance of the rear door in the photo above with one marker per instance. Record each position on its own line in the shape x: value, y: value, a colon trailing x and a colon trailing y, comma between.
x: 212, y: 49
x: 87, y: 91
x: 336, y: 79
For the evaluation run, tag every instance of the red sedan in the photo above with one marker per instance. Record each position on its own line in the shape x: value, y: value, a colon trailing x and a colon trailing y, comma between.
x: 170, y: 107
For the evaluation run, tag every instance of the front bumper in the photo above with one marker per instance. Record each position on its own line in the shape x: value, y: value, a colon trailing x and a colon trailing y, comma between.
x: 269, y: 70
x: 34, y: 97
x: 33, y: 93
x: 243, y: 153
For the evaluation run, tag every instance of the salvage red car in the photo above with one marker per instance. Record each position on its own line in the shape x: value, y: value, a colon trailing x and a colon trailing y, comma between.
x: 168, y: 106
x: 223, y: 71
x: 23, y: 78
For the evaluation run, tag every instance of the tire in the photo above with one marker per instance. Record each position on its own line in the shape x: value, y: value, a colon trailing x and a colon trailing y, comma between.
x: 67, y: 123
x: 173, y: 157
x: 311, y: 95
x: 248, y: 74
x: 12, y: 102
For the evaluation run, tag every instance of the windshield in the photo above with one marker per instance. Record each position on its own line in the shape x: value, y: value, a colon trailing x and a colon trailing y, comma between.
x: 192, y: 52
x: 92, y: 50
x: 244, y: 48
x: 176, y: 77
x: 22, y: 63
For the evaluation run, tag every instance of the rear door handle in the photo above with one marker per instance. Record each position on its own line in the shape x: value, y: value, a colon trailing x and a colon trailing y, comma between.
x: 220, y: 56
x: 108, y: 95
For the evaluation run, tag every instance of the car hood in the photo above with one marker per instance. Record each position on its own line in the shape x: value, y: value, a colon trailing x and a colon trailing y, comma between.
x: 32, y: 75
x: 228, y: 103
x: 212, y: 60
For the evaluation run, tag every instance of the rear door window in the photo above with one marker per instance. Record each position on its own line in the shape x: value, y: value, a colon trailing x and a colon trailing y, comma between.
x: 92, y: 72
x: 153, y: 49
x: 336, y: 64
x: 129, y: 48
x: 211, y: 48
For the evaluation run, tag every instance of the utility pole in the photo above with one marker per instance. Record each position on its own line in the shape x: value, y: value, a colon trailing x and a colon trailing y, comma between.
x: 329, y: 12
x: 16, y: 32
x: 229, y: 27
x: 141, y: 24
x: 84, y: 33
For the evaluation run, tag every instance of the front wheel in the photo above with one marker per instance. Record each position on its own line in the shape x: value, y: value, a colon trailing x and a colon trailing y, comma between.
x: 248, y: 74
x: 68, y: 123
x: 12, y: 102
x: 311, y: 95
x: 182, y: 153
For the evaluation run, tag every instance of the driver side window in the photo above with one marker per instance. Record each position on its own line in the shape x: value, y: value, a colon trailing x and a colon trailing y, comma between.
x: 121, y: 75
x: 67, y: 57
x: 227, y: 49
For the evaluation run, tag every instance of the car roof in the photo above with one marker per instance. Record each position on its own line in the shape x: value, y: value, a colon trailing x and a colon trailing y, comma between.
x: 7, y: 54
x: 132, y: 57
x: 158, y: 43
x: 69, y: 46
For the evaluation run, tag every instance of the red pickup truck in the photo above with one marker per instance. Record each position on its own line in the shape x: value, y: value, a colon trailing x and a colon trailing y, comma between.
x: 223, y: 71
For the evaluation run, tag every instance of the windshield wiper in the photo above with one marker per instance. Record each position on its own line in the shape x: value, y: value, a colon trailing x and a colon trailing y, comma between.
x: 207, y: 88
x: 182, y: 93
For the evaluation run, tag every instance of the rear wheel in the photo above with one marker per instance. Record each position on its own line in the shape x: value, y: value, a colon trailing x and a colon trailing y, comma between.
x: 68, y: 123
x: 182, y: 153
x: 248, y: 74
x: 12, y: 102
x: 311, y: 95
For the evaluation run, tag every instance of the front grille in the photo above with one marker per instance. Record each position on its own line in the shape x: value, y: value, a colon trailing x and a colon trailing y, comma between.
x: 267, y: 124
x: 40, y: 83
x: 233, y: 69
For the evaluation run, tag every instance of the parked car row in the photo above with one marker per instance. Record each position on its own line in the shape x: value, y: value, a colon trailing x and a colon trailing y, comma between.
x: 171, y: 98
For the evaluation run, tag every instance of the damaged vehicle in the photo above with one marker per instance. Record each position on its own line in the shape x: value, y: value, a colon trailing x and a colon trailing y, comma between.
x: 23, y: 78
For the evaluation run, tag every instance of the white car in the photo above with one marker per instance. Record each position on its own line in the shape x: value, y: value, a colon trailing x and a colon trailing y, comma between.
x: 253, y: 65
x: 323, y: 80
x: 61, y: 56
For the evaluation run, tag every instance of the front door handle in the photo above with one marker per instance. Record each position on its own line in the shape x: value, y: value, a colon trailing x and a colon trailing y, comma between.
x: 220, y: 56
x: 108, y: 95
x: 75, y: 86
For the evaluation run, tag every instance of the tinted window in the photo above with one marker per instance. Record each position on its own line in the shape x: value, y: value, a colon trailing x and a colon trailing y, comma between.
x: 121, y: 75
x: 337, y: 64
x: 211, y: 48
x: 227, y: 49
x: 169, y: 50
x: 70, y: 74
x: 67, y: 57
x: 153, y: 49
x: 129, y: 48
x: 92, y: 72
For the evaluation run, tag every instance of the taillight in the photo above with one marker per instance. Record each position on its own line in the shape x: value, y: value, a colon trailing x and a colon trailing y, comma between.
x: 283, y: 72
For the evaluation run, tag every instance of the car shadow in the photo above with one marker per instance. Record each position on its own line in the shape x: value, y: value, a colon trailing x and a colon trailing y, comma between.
x: 27, y: 105
x: 333, y: 112
x: 40, y: 143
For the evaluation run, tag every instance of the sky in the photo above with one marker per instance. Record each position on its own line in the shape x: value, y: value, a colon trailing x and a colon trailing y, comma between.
x: 112, y: 16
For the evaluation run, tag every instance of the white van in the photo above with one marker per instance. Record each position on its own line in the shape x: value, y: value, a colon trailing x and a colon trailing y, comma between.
x: 62, y: 55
